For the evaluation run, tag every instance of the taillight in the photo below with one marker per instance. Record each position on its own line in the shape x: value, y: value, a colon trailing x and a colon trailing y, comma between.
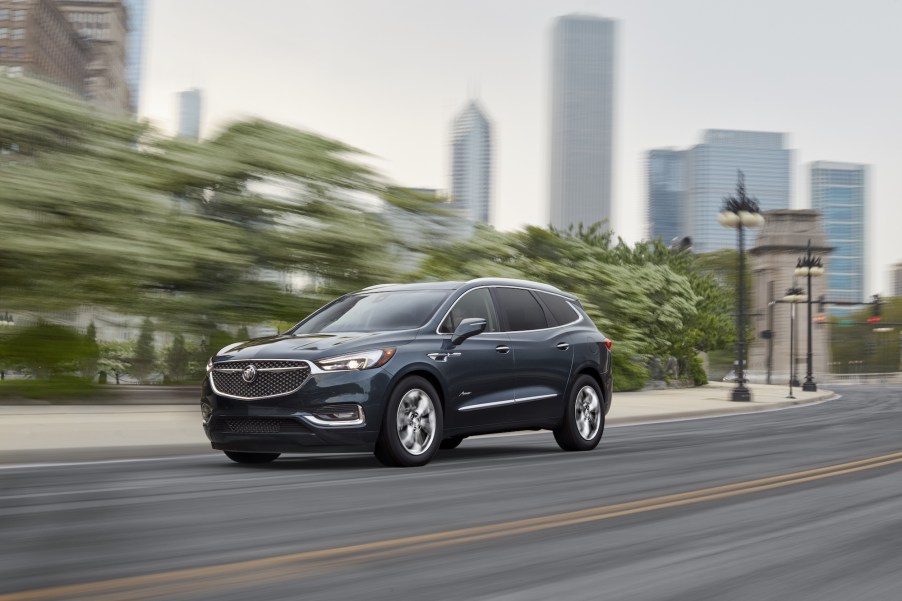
x: 607, y: 343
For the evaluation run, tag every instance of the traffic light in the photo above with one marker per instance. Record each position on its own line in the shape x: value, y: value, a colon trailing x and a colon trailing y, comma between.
x: 821, y: 303
x: 875, y: 307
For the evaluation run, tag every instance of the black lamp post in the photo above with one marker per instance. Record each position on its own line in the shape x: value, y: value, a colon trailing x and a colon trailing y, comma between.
x: 809, y: 266
x: 793, y: 295
x: 741, y: 211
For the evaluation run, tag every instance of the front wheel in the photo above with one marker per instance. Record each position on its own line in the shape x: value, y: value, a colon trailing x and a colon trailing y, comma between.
x: 238, y: 457
x: 412, y: 425
x: 583, y: 422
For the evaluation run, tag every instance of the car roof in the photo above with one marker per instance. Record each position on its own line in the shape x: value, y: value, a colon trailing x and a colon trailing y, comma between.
x: 475, y: 283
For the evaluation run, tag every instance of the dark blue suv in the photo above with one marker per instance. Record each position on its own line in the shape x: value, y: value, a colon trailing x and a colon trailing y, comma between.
x: 405, y: 369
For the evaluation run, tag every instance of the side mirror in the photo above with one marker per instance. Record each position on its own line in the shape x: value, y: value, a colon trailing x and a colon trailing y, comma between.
x: 467, y: 328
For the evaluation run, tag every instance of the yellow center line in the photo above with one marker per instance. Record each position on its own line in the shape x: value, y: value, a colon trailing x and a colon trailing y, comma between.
x: 294, y: 565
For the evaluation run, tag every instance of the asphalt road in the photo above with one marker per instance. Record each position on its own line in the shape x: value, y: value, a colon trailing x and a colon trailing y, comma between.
x: 797, y: 504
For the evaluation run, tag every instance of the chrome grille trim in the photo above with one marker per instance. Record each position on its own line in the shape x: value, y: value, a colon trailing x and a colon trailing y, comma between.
x: 274, y: 378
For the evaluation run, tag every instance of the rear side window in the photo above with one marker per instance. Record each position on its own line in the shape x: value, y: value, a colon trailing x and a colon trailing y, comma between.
x: 475, y: 303
x: 561, y: 310
x: 521, y: 310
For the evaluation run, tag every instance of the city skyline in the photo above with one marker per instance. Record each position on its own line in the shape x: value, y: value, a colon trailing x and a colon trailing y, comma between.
x: 680, y: 71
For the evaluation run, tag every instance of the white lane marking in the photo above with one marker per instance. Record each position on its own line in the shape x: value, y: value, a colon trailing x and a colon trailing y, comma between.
x: 19, y: 466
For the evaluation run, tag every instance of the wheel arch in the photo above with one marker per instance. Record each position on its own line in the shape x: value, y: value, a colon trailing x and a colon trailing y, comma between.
x: 422, y: 371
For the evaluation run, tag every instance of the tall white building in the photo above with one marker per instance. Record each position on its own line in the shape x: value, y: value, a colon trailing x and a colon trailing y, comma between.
x: 471, y: 163
x: 189, y: 114
x: 582, y: 120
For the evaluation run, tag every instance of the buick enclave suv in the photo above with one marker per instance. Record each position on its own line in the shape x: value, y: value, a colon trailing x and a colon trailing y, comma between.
x: 405, y: 369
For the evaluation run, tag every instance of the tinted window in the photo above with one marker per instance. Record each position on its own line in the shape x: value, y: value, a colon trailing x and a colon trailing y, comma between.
x: 560, y: 309
x: 475, y: 303
x: 374, y: 312
x: 521, y: 310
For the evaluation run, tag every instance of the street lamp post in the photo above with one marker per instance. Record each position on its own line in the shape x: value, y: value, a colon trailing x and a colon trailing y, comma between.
x: 740, y: 212
x: 809, y: 266
x: 793, y: 295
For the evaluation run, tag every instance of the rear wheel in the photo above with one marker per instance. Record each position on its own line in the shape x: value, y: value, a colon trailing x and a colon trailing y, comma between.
x: 412, y: 425
x: 583, y: 422
x: 239, y: 457
x: 452, y: 442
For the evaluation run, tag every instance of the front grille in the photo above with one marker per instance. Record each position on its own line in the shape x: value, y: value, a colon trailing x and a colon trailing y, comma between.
x: 256, y: 425
x: 228, y: 380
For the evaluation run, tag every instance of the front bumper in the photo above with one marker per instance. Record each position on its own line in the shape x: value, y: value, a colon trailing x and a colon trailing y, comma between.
x: 290, y: 424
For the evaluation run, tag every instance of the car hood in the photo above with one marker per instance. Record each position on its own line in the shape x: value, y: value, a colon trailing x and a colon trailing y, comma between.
x: 312, y: 346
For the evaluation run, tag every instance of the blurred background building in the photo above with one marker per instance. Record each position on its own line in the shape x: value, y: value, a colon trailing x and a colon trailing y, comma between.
x: 134, y: 54
x: 710, y: 170
x: 471, y: 163
x: 104, y: 25
x: 839, y: 193
x: 189, y: 104
x: 36, y: 40
x: 77, y: 44
x: 896, y: 278
x: 666, y: 194
x: 783, y: 239
x: 582, y: 120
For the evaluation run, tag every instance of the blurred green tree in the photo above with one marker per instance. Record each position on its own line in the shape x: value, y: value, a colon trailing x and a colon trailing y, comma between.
x: 177, y: 358
x: 144, y: 361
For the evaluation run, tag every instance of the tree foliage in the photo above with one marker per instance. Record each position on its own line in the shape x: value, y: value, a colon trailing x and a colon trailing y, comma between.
x: 265, y: 223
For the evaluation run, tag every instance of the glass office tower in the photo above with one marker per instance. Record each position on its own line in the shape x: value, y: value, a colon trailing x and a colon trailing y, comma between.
x: 839, y: 193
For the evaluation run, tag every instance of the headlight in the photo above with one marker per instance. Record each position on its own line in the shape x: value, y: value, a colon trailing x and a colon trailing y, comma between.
x: 357, y: 361
x: 209, y: 364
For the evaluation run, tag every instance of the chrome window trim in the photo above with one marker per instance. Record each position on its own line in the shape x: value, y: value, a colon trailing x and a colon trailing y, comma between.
x: 569, y: 300
x: 506, y: 402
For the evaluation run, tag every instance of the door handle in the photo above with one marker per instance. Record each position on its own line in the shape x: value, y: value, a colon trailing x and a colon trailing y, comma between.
x: 562, y: 346
x: 502, y: 349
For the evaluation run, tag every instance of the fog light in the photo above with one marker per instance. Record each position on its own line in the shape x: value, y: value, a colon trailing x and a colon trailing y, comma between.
x: 339, y: 415
x: 206, y: 411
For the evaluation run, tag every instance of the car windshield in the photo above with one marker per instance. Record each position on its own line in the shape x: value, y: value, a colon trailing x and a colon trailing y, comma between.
x: 375, y: 312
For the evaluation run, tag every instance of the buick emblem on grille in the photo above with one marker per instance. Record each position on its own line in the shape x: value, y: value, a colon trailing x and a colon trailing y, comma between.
x: 249, y: 374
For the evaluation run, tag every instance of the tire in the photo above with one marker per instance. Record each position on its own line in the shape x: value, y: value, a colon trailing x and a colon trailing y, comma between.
x: 412, y: 425
x: 239, y: 457
x: 583, y: 422
x: 451, y: 443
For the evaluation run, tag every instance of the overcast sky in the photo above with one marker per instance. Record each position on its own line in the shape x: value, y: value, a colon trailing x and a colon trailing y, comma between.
x: 388, y: 76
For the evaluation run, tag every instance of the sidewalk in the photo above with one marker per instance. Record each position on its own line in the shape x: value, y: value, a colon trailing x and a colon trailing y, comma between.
x: 69, y: 432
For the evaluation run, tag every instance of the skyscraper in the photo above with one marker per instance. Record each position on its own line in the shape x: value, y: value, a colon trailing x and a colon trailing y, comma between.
x: 471, y: 163
x: 666, y: 194
x: 582, y: 120
x: 711, y: 169
x: 189, y: 114
x: 134, y: 51
x: 839, y: 193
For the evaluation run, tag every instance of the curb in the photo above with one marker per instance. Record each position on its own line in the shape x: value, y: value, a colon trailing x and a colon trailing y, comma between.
x: 740, y: 409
